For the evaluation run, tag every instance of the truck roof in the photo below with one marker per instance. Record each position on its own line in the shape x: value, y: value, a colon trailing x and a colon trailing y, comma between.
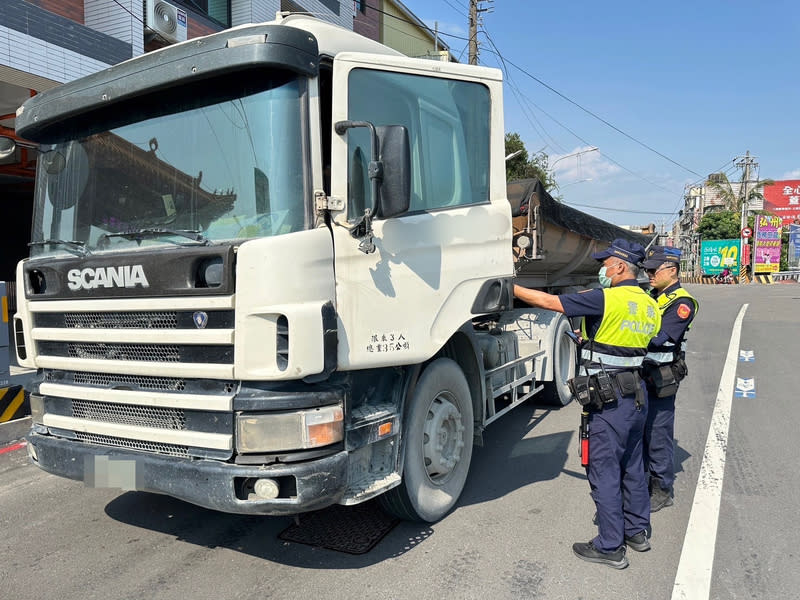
x: 284, y: 42
x: 333, y: 39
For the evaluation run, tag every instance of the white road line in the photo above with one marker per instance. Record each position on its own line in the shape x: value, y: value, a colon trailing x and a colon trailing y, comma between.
x: 693, y: 580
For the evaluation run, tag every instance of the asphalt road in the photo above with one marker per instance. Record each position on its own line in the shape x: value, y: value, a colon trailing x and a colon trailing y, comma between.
x: 526, y: 502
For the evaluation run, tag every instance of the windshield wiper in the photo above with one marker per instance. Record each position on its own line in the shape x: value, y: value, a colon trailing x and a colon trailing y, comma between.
x: 140, y: 234
x: 77, y: 247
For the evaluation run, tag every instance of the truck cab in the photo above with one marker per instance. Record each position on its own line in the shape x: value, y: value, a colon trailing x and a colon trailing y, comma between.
x: 267, y: 270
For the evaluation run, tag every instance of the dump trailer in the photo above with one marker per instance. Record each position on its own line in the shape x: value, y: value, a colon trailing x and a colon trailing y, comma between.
x: 271, y: 270
x: 554, y: 242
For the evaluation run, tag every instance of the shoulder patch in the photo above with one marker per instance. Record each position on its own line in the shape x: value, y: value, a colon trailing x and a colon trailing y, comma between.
x: 684, y: 311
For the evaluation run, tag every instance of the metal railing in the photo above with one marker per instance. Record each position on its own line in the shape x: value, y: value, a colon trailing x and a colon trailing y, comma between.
x: 785, y: 275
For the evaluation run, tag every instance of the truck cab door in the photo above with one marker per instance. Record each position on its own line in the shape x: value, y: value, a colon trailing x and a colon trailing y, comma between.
x: 402, y: 302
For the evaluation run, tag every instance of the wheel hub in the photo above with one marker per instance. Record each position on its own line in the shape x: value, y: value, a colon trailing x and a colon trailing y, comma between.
x: 443, y: 438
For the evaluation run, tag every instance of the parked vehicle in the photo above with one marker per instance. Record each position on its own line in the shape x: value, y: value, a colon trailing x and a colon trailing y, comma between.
x: 272, y: 268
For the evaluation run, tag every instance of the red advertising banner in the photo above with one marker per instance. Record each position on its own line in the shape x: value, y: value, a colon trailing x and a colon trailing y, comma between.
x: 767, y: 249
x: 782, y: 199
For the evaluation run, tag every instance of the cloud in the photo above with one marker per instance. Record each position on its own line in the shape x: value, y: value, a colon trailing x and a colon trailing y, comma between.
x: 795, y: 174
x: 580, y: 164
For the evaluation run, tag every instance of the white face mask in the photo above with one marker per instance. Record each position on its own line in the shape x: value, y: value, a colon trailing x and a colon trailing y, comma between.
x: 604, y: 280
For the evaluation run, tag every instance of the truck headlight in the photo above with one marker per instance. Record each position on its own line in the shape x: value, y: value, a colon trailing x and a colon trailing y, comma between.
x: 296, y: 430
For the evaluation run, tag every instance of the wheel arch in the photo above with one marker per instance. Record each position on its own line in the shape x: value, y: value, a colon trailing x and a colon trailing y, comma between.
x: 462, y: 347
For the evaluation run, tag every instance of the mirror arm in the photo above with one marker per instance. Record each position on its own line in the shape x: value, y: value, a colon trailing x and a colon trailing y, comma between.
x: 363, y: 228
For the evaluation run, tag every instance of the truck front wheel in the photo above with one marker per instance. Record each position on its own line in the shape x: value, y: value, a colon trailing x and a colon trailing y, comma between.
x: 556, y: 392
x: 438, y: 445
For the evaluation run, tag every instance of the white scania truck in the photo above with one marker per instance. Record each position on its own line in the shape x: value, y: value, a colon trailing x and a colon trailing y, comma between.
x: 271, y: 270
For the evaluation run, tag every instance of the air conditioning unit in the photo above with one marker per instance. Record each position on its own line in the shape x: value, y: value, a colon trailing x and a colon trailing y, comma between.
x: 167, y: 20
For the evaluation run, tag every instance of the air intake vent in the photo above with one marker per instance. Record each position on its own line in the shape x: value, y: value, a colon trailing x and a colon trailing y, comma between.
x: 282, y: 345
x: 19, y: 337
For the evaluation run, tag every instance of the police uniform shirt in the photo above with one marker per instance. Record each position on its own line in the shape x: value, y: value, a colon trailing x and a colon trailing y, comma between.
x: 590, y: 305
x: 674, y: 321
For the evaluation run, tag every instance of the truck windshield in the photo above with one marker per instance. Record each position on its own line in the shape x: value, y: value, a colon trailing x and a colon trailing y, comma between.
x: 179, y: 171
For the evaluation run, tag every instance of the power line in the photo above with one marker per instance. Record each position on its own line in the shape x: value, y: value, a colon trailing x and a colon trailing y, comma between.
x: 625, y: 210
x: 454, y: 7
x: 611, y: 159
x: 592, y: 114
x: 383, y: 12
x: 129, y: 12
x: 519, y: 97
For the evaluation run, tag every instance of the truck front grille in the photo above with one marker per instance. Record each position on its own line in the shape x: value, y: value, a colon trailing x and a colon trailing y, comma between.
x: 142, y: 382
x: 164, y: 353
x: 130, y: 414
x: 141, y: 445
x: 157, y: 319
x: 122, y: 320
x: 147, y: 352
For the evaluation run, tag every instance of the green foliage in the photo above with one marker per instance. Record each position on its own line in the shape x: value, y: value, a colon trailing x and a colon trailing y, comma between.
x: 733, y: 198
x: 523, y: 166
x: 720, y: 225
x: 784, y: 249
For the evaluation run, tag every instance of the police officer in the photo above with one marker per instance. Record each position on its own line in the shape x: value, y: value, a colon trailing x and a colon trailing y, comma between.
x: 619, y: 321
x: 663, y: 368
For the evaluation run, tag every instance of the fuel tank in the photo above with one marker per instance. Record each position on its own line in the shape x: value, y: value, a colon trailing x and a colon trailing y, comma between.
x: 562, y: 238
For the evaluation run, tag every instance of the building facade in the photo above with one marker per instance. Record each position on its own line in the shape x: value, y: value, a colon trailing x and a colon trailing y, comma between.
x: 44, y: 43
x: 699, y: 200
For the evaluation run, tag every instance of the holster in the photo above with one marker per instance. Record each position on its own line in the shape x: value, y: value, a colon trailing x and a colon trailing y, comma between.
x: 593, y: 391
x: 679, y: 369
x: 663, y: 379
x: 582, y: 388
x: 629, y: 383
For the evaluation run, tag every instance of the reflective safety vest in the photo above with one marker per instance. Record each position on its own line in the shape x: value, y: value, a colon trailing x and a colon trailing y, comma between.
x: 631, y: 318
x: 669, y: 352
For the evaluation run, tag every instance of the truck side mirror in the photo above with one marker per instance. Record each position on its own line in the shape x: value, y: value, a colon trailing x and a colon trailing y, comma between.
x: 394, y: 196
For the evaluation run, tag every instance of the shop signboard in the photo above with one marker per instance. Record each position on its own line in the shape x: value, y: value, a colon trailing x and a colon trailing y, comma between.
x: 767, y: 244
x: 715, y: 255
x: 793, y: 253
x: 782, y: 198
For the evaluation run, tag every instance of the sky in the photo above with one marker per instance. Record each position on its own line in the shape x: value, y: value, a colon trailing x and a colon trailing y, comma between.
x: 676, y: 91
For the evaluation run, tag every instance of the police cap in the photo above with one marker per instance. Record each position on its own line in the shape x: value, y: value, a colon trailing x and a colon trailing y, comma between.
x: 658, y: 255
x: 628, y: 251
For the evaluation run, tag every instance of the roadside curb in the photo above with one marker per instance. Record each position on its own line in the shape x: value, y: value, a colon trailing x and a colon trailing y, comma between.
x: 11, y: 431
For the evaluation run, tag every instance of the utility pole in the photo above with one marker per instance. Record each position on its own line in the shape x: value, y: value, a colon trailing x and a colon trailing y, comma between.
x: 474, y: 12
x: 473, y: 32
x: 745, y: 162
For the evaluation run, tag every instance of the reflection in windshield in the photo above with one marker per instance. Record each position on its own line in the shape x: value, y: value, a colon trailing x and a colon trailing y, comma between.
x: 225, y: 171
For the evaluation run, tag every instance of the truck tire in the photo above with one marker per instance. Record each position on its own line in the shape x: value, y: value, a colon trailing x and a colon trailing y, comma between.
x: 438, y: 445
x: 556, y: 392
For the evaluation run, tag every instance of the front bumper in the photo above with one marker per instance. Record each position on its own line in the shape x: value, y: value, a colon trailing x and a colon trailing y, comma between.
x: 208, y: 483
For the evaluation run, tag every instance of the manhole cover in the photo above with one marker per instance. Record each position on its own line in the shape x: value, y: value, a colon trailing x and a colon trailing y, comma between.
x: 351, y: 529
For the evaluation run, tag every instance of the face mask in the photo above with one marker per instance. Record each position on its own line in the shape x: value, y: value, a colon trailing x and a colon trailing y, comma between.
x: 603, y: 279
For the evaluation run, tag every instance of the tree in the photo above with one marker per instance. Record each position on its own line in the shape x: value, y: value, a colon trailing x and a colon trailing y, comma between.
x: 522, y: 166
x: 733, y: 196
x: 720, y: 225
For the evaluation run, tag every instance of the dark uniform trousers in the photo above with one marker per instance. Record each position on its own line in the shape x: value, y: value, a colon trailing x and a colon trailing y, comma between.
x: 615, y: 455
x: 659, y: 450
